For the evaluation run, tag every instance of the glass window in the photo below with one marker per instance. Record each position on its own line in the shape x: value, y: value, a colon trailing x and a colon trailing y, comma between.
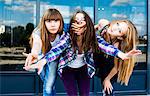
x: 133, y: 10
x: 18, y: 18
x: 67, y: 8
x: 17, y: 21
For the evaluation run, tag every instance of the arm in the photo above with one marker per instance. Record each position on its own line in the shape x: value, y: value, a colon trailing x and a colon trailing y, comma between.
x: 55, y: 51
x: 36, y: 49
x: 114, y: 69
x: 53, y: 54
x: 112, y: 72
x: 60, y: 46
x: 37, y: 44
x: 113, y: 51
x: 106, y: 83
x: 106, y: 47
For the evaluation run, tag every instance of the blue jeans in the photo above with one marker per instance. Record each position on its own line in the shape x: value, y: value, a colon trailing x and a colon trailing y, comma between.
x: 48, y: 76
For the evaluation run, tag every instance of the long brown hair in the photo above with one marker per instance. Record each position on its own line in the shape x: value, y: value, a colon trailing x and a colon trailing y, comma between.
x: 89, y: 40
x: 50, y: 14
x: 127, y: 42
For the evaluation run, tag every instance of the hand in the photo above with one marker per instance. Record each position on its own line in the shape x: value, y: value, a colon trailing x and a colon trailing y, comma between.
x: 39, y: 66
x: 125, y: 56
x: 102, y: 23
x: 81, y: 25
x: 79, y: 30
x: 30, y: 58
x: 131, y: 53
x: 134, y: 52
x: 107, y: 86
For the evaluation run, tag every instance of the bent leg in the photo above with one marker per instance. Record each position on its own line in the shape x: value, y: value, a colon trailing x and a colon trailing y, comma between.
x: 49, y: 80
x: 83, y: 80
x: 69, y: 81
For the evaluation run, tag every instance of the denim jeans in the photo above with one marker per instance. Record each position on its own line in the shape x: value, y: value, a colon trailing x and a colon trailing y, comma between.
x: 48, y: 76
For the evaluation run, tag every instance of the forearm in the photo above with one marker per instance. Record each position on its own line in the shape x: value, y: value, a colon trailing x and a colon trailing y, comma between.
x: 36, y: 49
x: 112, y: 73
x: 122, y: 55
x: 36, y: 45
x: 107, y: 48
x: 55, y: 51
x: 112, y: 50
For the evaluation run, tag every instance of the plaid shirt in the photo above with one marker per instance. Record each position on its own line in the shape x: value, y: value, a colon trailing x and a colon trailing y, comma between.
x: 66, y: 55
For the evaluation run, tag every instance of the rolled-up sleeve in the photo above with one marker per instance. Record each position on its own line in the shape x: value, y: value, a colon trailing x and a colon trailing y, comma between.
x: 106, y: 47
x: 55, y: 51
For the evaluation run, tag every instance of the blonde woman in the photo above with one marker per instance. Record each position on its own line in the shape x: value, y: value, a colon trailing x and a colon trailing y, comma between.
x: 123, y: 35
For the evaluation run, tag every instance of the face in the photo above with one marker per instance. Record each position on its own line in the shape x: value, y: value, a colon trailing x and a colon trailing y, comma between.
x: 118, y: 29
x: 80, y: 20
x: 52, y: 26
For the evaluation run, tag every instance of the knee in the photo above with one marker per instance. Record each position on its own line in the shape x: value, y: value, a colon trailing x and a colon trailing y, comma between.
x: 48, y: 90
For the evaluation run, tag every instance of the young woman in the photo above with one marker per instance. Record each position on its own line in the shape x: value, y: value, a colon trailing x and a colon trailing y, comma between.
x: 76, y: 65
x: 43, y: 38
x: 123, y: 35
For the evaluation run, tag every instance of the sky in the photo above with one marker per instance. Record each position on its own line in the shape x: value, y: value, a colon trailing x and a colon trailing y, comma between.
x: 21, y: 12
x: 17, y: 12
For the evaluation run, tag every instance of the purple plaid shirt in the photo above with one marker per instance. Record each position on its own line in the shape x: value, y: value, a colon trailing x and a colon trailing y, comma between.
x: 66, y: 55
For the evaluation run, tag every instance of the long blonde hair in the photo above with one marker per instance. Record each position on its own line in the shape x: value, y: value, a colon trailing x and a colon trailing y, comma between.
x: 126, y: 43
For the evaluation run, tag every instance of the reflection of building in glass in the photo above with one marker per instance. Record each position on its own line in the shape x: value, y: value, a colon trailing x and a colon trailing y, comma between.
x: 8, y: 29
x: 18, y: 18
x: 4, y: 28
x: 144, y: 37
x: 138, y: 17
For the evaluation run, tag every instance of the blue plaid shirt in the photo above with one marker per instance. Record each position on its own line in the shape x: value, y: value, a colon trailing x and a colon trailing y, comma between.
x: 66, y: 55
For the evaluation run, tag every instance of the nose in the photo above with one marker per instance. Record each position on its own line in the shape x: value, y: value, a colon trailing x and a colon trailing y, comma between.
x: 116, y: 28
x: 53, y: 23
x: 79, y: 22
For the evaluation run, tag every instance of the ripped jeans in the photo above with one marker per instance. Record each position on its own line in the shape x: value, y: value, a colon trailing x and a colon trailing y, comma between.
x: 48, y: 76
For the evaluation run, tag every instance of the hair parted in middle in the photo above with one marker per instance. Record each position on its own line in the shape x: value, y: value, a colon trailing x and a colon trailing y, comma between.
x: 49, y: 14
x: 89, y: 40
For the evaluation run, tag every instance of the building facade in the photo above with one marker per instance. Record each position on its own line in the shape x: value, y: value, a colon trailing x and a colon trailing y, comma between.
x: 18, y: 18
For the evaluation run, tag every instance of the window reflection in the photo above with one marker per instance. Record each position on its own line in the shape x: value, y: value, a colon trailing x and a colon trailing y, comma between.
x: 134, y: 10
x: 17, y: 21
x: 67, y: 8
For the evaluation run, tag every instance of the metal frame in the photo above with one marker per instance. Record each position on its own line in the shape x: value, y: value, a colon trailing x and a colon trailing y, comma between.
x: 148, y: 48
x: 148, y: 42
x: 37, y: 80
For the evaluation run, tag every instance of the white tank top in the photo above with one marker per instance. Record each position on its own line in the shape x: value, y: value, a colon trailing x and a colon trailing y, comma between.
x: 78, y: 62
